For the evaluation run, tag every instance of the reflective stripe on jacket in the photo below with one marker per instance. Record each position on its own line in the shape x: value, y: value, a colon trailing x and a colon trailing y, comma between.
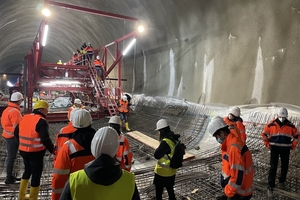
x: 239, y: 126
x: 162, y: 166
x: 89, y: 49
x: 123, y: 106
x: 11, y: 117
x: 124, y: 154
x: 98, y: 63
x: 30, y: 140
x: 237, y: 167
x: 285, y: 136
x: 83, y: 188
x: 71, y: 158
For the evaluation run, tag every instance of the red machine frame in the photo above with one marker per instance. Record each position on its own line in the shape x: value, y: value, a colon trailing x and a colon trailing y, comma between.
x: 35, y: 69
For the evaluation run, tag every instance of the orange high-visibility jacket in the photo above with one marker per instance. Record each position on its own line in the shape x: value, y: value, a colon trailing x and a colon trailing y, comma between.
x: 71, y: 158
x: 241, y: 130
x: 237, y: 167
x: 98, y: 63
x: 63, y: 135
x: 30, y: 140
x: 89, y: 49
x: 11, y: 117
x: 124, y: 154
x: 285, y: 136
x: 123, y: 106
x: 71, y: 108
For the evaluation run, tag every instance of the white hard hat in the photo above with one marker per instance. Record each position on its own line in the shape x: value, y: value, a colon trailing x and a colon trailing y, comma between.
x: 98, y: 57
x: 124, y: 98
x: 81, y: 119
x: 77, y: 101
x: 162, y: 123
x: 105, y: 141
x: 236, y: 111
x: 215, y: 124
x: 89, y: 43
x: 16, y: 96
x: 282, y: 112
x: 74, y: 110
x: 115, y: 120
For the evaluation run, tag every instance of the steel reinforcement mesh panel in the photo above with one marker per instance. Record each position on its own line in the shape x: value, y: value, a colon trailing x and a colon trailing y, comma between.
x: 197, y: 179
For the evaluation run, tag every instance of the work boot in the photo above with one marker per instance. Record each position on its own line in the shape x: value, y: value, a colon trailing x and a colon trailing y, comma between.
x: 127, y: 126
x: 11, y: 180
x: 270, y: 193
x: 221, y: 197
x: 23, y: 189
x: 281, y: 185
x: 34, y: 192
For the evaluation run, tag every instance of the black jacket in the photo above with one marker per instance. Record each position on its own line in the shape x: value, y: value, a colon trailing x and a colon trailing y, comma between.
x: 103, y: 171
x: 163, y: 147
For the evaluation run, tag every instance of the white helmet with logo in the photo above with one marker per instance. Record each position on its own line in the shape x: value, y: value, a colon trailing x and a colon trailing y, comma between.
x: 115, y: 120
x: 162, y: 123
x: 74, y: 110
x: 105, y: 141
x: 98, y: 57
x: 215, y: 124
x: 77, y: 101
x: 16, y: 96
x: 124, y: 98
x: 81, y: 119
x: 282, y: 112
x: 236, y: 111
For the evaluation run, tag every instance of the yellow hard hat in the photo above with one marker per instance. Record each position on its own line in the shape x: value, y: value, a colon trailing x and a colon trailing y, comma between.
x: 41, y: 104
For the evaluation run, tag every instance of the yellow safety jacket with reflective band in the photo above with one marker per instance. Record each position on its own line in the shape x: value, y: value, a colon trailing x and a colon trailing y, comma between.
x: 83, y: 188
x: 162, y: 166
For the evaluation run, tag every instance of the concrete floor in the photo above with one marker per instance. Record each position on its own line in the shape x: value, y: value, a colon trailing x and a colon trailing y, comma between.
x: 197, y: 179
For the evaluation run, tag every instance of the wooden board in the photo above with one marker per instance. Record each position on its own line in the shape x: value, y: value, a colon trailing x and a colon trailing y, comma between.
x: 153, y: 143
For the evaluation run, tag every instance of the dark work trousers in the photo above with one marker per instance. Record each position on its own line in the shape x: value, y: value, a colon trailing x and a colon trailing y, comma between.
x: 12, y: 146
x: 99, y: 72
x: 284, y: 154
x: 161, y: 182
x: 123, y: 116
x: 33, y: 162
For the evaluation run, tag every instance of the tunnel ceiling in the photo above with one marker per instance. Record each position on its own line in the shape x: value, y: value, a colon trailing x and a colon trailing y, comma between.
x: 20, y: 20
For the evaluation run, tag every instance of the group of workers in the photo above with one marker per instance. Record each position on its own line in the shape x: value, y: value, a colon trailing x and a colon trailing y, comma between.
x: 86, y: 52
x: 279, y: 135
x: 98, y: 163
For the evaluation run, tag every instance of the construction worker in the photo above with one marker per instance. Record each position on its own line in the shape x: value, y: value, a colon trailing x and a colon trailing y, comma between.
x: 102, y: 178
x: 65, y: 133
x: 237, y: 165
x: 77, y: 104
x: 79, y: 57
x: 83, y: 53
x: 59, y: 62
x: 233, y: 119
x: 98, y: 64
x: 34, y: 139
x: 75, y: 153
x: 74, y: 58
x: 164, y: 175
x: 124, y: 154
x: 280, y: 136
x: 89, y: 51
x: 123, y: 111
x: 11, y: 117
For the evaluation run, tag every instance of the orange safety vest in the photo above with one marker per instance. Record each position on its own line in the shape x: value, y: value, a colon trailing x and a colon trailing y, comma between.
x: 11, y: 117
x: 124, y: 154
x: 285, y: 136
x: 70, y: 158
x: 237, y: 167
x: 89, y: 49
x: 30, y: 140
x: 64, y: 135
x: 98, y: 63
x: 123, y: 106
x: 238, y: 126
x: 71, y: 108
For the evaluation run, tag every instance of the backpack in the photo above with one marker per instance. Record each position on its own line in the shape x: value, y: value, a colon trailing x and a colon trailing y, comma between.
x: 177, y: 159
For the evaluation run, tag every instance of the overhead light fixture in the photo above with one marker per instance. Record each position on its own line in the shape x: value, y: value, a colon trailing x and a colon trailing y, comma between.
x: 45, y: 35
x: 141, y: 28
x: 129, y: 46
x: 46, y: 12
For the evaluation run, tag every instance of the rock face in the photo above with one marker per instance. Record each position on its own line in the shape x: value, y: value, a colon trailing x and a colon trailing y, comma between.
x: 231, y: 52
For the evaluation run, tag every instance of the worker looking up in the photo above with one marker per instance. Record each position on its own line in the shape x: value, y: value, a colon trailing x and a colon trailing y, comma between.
x: 102, y: 178
x: 74, y: 153
x: 124, y: 154
x: 65, y: 133
x: 280, y: 136
x: 237, y: 166
x: 89, y: 51
x: 34, y: 139
x: 233, y: 119
x: 10, y: 118
x: 98, y: 64
x: 123, y: 111
x: 77, y: 104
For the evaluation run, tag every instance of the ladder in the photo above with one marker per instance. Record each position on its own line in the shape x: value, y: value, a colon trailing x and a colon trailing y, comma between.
x: 104, y: 95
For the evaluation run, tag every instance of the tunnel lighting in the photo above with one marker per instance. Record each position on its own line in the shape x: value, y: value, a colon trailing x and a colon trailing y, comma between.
x: 65, y: 82
x: 9, y: 84
x: 46, y: 12
x: 129, y: 46
x: 141, y: 28
x: 45, y: 35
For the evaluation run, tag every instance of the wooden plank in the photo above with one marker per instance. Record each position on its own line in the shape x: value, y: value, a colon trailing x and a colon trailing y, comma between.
x: 153, y: 143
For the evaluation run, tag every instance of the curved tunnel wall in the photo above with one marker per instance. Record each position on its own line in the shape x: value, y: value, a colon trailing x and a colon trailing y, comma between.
x: 231, y: 52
